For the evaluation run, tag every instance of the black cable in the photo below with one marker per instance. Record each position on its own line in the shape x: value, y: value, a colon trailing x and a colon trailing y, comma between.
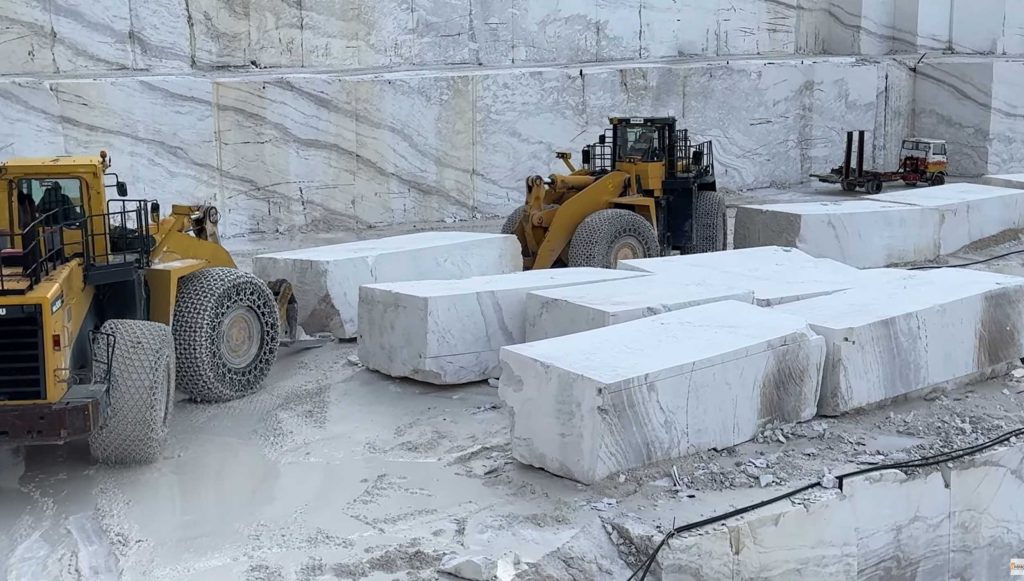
x: 972, y: 263
x: 939, y: 458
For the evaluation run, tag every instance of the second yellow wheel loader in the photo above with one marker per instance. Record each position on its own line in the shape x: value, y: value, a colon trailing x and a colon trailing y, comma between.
x: 106, y: 308
x: 644, y: 189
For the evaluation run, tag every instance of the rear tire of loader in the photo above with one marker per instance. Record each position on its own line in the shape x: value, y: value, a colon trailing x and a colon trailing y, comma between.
x: 141, y: 373
x: 226, y: 334
x: 710, y: 223
x: 607, y: 236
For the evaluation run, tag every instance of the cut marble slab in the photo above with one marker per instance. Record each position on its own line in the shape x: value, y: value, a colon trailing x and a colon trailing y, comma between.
x: 590, y: 404
x: 902, y: 335
x: 1010, y: 180
x: 563, y: 311
x: 970, y: 212
x: 776, y: 274
x: 449, y: 331
x: 326, y: 279
x: 861, y: 233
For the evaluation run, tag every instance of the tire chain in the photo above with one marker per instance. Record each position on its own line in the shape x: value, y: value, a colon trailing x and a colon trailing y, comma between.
x: 594, y: 237
x: 141, y: 391
x: 708, y: 233
x: 204, y: 298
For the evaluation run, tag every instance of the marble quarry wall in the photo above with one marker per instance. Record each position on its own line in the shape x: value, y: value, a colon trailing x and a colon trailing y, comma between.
x: 323, y: 116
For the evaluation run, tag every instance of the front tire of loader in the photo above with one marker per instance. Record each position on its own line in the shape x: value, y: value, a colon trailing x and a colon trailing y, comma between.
x: 710, y: 223
x: 607, y: 236
x: 226, y: 334
x: 141, y: 373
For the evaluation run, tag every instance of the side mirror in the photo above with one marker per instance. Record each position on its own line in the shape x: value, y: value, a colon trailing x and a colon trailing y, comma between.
x: 122, y: 189
x: 154, y: 212
x: 600, y: 139
x: 585, y: 155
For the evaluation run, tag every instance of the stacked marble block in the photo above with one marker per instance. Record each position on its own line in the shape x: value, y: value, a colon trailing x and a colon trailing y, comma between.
x: 590, y: 404
x: 890, y: 228
x: 448, y: 332
x: 1015, y: 181
x: 910, y: 332
x: 326, y: 279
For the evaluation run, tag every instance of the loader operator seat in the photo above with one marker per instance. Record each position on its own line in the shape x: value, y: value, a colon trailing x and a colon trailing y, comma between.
x: 644, y: 146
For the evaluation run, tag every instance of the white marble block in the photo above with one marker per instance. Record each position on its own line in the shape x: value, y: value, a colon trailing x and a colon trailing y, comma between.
x: 898, y: 336
x: 776, y: 274
x: 591, y: 404
x: 563, y: 311
x: 861, y: 233
x: 1010, y: 180
x: 326, y: 279
x: 448, y: 332
x: 970, y: 212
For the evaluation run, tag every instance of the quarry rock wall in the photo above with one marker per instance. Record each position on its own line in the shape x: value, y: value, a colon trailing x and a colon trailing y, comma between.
x: 319, y: 116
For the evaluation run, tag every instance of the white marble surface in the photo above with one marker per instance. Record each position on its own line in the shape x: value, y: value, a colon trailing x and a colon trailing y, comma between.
x: 970, y: 212
x: 884, y: 525
x: 860, y: 233
x: 563, y: 311
x: 775, y: 274
x: 72, y: 36
x: 1010, y: 180
x: 899, y: 336
x: 326, y: 279
x: 591, y: 404
x: 448, y: 332
x: 327, y: 151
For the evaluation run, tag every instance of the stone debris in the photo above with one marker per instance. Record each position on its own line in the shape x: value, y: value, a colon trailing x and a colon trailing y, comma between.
x: 482, y: 568
x: 765, y: 480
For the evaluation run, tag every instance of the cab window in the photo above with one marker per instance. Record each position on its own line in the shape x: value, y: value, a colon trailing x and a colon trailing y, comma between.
x: 939, y: 149
x: 641, y: 142
x: 57, y: 200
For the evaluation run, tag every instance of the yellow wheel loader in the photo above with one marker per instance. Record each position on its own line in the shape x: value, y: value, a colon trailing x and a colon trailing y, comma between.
x: 644, y: 189
x: 106, y: 308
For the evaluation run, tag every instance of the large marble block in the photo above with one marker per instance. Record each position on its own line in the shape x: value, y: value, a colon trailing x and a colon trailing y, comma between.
x: 861, y: 233
x: 775, y: 274
x: 326, y: 279
x: 898, y: 336
x: 970, y: 212
x: 590, y: 404
x: 1010, y: 180
x: 449, y: 331
x: 563, y: 311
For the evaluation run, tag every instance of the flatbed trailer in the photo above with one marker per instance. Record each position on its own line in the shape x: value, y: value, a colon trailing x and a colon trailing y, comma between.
x: 929, y: 168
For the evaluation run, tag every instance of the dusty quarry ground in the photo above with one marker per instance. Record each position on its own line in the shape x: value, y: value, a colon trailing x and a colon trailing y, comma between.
x: 336, y: 472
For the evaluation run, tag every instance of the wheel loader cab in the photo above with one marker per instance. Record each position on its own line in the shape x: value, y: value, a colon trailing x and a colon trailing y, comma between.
x: 644, y: 189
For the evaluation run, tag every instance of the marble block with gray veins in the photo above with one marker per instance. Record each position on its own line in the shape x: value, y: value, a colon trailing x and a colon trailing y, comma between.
x: 776, y: 274
x: 970, y: 212
x: 861, y: 233
x: 1010, y: 180
x: 590, y: 404
x: 898, y: 336
x: 563, y: 311
x: 449, y: 331
x: 326, y: 279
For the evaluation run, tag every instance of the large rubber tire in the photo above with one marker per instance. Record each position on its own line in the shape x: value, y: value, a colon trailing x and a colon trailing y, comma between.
x: 509, y: 227
x: 710, y: 223
x: 848, y: 186
x: 226, y: 334
x: 607, y: 236
x: 873, y: 187
x: 141, y: 373
x: 937, y: 180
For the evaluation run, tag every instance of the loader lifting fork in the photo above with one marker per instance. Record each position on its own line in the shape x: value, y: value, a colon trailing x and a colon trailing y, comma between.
x: 106, y: 308
x: 644, y: 189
